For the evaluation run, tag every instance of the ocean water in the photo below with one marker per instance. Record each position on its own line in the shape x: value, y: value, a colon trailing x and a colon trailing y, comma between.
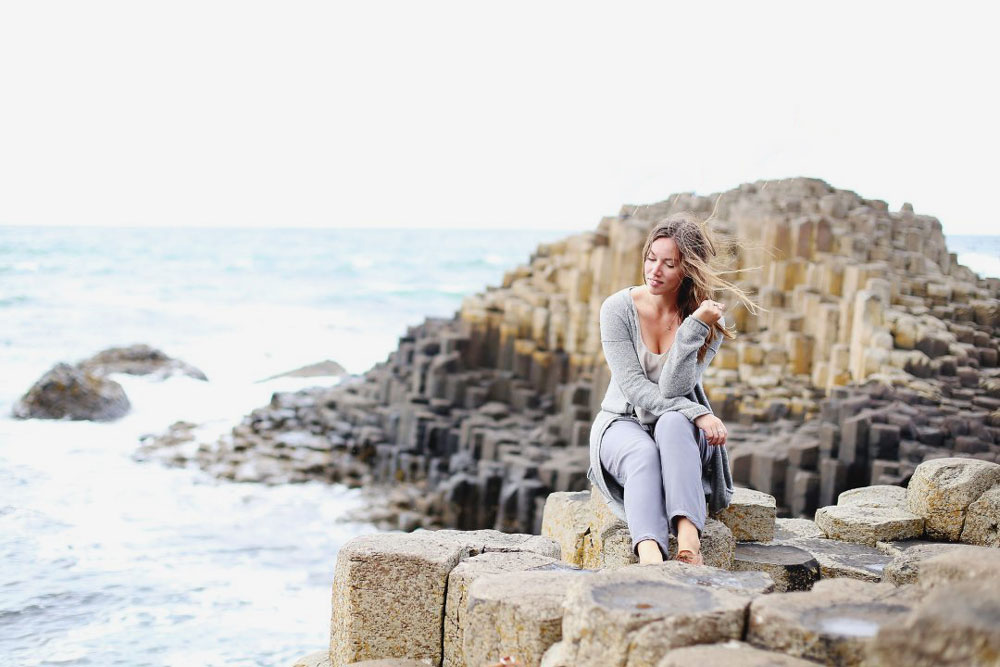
x: 107, y: 561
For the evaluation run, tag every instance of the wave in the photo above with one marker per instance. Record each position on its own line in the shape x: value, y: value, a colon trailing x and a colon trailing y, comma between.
x: 987, y: 266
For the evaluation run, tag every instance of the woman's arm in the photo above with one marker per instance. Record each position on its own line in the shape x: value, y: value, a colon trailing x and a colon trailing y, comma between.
x: 619, y: 351
x: 682, y: 370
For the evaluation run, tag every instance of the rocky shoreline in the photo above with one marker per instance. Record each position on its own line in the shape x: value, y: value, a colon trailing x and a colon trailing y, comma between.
x: 887, y: 576
x: 877, y: 352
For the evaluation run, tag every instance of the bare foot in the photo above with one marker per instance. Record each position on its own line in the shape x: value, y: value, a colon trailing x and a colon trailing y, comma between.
x: 688, y: 543
x: 649, y: 552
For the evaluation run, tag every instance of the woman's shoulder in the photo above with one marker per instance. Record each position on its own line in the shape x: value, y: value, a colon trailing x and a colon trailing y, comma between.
x: 620, y: 299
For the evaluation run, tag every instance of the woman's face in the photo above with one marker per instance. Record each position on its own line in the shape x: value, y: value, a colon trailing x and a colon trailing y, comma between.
x: 662, y: 267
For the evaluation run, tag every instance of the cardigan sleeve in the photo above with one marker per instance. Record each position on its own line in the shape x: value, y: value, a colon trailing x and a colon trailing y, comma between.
x: 619, y: 351
x: 682, y: 370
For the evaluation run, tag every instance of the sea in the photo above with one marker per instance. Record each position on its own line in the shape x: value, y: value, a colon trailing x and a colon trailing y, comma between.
x: 108, y: 561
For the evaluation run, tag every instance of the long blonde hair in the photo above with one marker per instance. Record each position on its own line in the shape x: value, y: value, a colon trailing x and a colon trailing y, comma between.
x: 698, y: 248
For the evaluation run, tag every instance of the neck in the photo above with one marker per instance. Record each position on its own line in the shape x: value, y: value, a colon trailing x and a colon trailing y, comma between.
x: 663, y: 303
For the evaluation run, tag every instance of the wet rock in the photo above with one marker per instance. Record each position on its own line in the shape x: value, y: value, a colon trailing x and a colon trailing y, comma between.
x: 138, y: 360
x: 464, y: 574
x: 326, y: 368
x: 955, y: 626
x: 868, y: 524
x: 316, y: 659
x: 941, y: 491
x: 66, y: 392
x: 635, y: 615
x: 730, y: 654
x: 834, y: 623
x: 791, y: 568
x: 750, y: 516
x: 982, y: 520
x: 844, y: 559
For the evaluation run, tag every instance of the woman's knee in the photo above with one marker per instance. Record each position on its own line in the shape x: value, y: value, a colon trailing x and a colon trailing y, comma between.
x: 674, y: 426
x: 642, y: 456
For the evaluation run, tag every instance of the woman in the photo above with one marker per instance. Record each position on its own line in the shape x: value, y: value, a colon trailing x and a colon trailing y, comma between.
x: 656, y: 448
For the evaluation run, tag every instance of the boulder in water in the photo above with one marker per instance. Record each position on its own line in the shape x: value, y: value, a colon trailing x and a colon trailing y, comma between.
x: 68, y: 392
x: 138, y: 360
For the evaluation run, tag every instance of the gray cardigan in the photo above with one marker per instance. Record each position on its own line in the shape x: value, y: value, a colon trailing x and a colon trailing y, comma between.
x: 679, y: 390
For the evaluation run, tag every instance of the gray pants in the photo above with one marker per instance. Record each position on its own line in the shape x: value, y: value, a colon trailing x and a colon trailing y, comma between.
x: 661, y: 474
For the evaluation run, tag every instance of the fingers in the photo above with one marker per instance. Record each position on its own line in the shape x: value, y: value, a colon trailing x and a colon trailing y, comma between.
x: 716, y: 434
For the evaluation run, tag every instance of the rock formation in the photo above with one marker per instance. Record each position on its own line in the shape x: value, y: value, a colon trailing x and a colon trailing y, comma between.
x: 82, y: 391
x: 792, y: 594
x: 876, y: 351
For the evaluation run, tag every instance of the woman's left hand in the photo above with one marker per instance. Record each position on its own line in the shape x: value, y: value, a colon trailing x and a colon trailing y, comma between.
x: 715, y: 430
x: 710, y: 311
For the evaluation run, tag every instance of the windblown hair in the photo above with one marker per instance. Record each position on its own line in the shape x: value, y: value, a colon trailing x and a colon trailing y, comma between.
x: 702, y: 277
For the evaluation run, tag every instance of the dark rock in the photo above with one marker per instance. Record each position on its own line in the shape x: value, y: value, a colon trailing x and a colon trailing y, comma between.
x: 67, y: 392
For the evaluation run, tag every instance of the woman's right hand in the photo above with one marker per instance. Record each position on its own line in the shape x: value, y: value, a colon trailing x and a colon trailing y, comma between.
x: 715, y: 430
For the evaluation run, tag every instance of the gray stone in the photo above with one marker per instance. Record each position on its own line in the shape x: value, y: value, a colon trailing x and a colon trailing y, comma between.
x: 464, y: 574
x: 635, y: 615
x: 791, y: 568
x: 957, y: 626
x: 316, y: 659
x: 905, y: 565
x: 516, y: 614
x: 868, y: 524
x: 750, y: 516
x: 729, y: 654
x: 964, y: 563
x: 834, y: 623
x: 790, y: 529
x: 880, y: 495
x: 982, y: 520
x: 844, y: 559
x: 138, y: 360
x: 941, y: 491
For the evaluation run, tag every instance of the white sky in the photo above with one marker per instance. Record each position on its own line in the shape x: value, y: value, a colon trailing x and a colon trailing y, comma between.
x: 526, y: 114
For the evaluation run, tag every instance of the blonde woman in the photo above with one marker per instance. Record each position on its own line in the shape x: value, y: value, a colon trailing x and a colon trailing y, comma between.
x: 657, y: 452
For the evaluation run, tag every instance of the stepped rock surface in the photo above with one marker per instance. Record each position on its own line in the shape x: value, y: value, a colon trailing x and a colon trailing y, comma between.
x: 876, y: 351
x: 575, y: 596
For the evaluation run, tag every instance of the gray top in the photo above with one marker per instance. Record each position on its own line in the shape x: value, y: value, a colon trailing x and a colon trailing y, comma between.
x: 679, y: 389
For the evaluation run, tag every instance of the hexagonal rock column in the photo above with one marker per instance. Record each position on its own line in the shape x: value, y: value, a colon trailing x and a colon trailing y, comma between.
x: 982, y: 520
x: 389, y: 590
x: 792, y: 568
x: 791, y: 529
x: 941, y: 491
x: 750, y: 516
x: 717, y: 545
x: 909, y: 557
x: 464, y: 574
x: 956, y: 625
x: 834, y: 623
x: 635, y: 615
x: 516, y: 614
x: 729, y: 654
x: 865, y: 524
x: 966, y: 563
x: 843, y: 559
x: 880, y: 495
x: 586, y: 528
x: 566, y: 519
